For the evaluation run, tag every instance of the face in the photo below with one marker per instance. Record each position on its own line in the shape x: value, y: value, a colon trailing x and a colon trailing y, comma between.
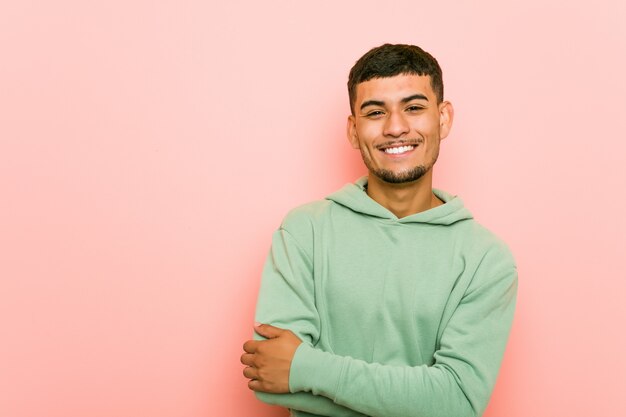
x: 397, y: 126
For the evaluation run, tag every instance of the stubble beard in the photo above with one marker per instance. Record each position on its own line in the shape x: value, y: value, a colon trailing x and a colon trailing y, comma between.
x: 392, y: 177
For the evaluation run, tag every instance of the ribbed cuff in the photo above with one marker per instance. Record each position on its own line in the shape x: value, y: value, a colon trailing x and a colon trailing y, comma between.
x: 315, y: 371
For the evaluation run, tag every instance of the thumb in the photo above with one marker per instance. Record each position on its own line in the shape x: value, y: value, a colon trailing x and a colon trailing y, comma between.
x: 268, y: 331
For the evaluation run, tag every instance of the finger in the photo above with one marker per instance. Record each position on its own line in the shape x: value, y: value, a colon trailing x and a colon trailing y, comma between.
x: 255, y: 385
x: 250, y: 372
x: 250, y: 346
x: 247, y: 359
x: 267, y: 330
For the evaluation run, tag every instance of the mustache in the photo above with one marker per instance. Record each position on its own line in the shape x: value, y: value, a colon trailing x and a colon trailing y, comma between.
x: 403, y: 142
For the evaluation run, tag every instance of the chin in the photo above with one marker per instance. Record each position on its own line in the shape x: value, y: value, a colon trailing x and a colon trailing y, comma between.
x: 403, y: 177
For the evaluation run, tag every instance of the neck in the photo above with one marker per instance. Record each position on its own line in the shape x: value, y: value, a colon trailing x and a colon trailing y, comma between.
x: 404, y: 199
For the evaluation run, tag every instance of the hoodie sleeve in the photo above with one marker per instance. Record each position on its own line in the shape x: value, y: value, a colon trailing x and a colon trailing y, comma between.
x: 466, y: 363
x: 286, y: 299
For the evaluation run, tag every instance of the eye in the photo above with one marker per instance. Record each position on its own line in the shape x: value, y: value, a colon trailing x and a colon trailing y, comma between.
x: 375, y: 114
x: 414, y: 108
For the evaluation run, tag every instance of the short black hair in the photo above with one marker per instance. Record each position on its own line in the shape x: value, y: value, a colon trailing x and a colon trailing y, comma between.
x: 389, y: 60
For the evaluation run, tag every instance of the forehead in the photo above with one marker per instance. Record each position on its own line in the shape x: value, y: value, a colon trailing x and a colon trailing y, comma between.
x: 390, y: 89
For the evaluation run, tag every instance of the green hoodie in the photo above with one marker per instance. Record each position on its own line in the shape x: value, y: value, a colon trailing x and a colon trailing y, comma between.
x: 398, y: 317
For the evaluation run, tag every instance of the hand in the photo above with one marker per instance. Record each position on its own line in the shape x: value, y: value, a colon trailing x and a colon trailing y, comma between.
x: 268, y: 361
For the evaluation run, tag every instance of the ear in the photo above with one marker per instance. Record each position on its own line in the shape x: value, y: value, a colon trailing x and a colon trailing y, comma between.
x: 353, y: 137
x: 446, y: 117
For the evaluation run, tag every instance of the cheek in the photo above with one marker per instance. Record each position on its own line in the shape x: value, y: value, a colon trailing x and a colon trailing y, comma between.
x: 427, y: 126
x: 367, y: 134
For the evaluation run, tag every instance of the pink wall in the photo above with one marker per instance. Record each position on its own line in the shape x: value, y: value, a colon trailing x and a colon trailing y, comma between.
x: 148, y: 150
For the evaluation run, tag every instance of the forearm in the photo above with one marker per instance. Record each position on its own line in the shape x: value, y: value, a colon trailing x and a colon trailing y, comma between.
x: 307, y: 402
x: 380, y: 390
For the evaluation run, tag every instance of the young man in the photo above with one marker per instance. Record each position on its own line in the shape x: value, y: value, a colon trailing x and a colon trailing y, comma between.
x: 386, y: 298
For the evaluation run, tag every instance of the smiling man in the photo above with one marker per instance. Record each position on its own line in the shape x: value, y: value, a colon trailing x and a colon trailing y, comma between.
x: 387, y: 298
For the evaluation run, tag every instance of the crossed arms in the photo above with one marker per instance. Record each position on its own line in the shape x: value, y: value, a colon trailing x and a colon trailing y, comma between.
x: 286, y: 368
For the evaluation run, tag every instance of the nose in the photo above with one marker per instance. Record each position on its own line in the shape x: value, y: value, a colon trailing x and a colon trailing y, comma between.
x: 396, y: 125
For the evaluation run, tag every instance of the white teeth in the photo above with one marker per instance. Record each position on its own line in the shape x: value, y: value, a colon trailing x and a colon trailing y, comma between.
x: 400, y: 149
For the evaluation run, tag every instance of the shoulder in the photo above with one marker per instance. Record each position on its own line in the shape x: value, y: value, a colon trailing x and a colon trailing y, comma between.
x: 302, y: 219
x: 478, y: 241
x: 488, y: 256
x: 301, y: 223
x: 482, y: 253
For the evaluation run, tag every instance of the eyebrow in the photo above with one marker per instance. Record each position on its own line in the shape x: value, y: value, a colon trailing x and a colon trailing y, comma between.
x: 414, y: 97
x: 404, y: 100
x: 372, y: 103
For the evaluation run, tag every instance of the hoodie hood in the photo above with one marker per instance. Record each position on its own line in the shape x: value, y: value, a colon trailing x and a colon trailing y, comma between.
x: 354, y: 197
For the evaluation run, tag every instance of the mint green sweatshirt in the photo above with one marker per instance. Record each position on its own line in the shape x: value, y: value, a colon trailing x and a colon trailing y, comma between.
x: 398, y: 317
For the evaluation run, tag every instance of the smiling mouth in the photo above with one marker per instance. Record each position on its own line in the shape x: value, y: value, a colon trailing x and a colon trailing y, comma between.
x: 399, y: 147
x: 395, y: 150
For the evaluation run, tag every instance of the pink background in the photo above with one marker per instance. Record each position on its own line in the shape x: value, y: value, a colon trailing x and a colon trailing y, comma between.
x: 149, y: 148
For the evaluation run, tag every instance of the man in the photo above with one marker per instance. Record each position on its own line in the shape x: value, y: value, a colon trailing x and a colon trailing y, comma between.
x: 386, y: 298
